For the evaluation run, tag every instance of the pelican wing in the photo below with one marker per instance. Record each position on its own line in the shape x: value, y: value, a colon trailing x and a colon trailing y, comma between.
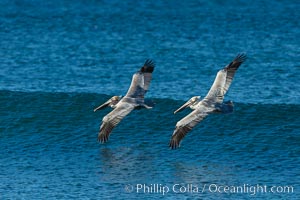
x: 216, y: 92
x: 141, y: 81
x: 232, y: 68
x: 223, y: 80
x: 184, y: 126
x: 112, y: 119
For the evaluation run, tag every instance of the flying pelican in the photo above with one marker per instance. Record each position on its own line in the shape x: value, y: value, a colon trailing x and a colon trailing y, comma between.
x: 132, y: 100
x: 212, y: 103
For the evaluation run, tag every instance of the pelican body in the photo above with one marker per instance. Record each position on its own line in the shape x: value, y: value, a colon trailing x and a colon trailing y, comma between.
x: 134, y: 99
x: 212, y: 103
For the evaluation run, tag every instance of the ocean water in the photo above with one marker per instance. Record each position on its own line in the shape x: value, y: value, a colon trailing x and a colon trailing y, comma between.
x: 61, y: 59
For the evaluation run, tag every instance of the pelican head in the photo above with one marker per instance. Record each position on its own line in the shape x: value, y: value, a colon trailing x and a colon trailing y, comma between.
x: 190, y: 103
x: 112, y: 102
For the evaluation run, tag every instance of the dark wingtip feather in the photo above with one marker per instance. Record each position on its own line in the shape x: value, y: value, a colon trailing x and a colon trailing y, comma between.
x: 148, y: 66
x: 241, y: 57
x: 102, y: 138
x: 173, y: 144
x: 238, y: 60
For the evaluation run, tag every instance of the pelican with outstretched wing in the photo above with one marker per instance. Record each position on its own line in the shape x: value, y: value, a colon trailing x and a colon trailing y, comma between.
x: 132, y: 100
x: 212, y: 103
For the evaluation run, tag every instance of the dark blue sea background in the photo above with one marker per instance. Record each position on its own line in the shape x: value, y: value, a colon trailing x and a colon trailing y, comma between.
x: 61, y: 59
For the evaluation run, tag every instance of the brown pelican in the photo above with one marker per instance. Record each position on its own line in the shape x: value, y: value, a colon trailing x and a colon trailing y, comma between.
x: 132, y: 100
x: 212, y: 103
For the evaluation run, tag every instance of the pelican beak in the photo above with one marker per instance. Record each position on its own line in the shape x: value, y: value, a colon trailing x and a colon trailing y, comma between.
x: 103, y: 105
x: 187, y: 104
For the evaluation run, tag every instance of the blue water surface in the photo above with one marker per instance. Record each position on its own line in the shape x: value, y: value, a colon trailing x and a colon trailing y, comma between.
x: 60, y: 59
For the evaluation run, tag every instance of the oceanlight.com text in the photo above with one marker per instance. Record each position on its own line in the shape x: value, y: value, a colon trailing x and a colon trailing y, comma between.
x: 164, y: 189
